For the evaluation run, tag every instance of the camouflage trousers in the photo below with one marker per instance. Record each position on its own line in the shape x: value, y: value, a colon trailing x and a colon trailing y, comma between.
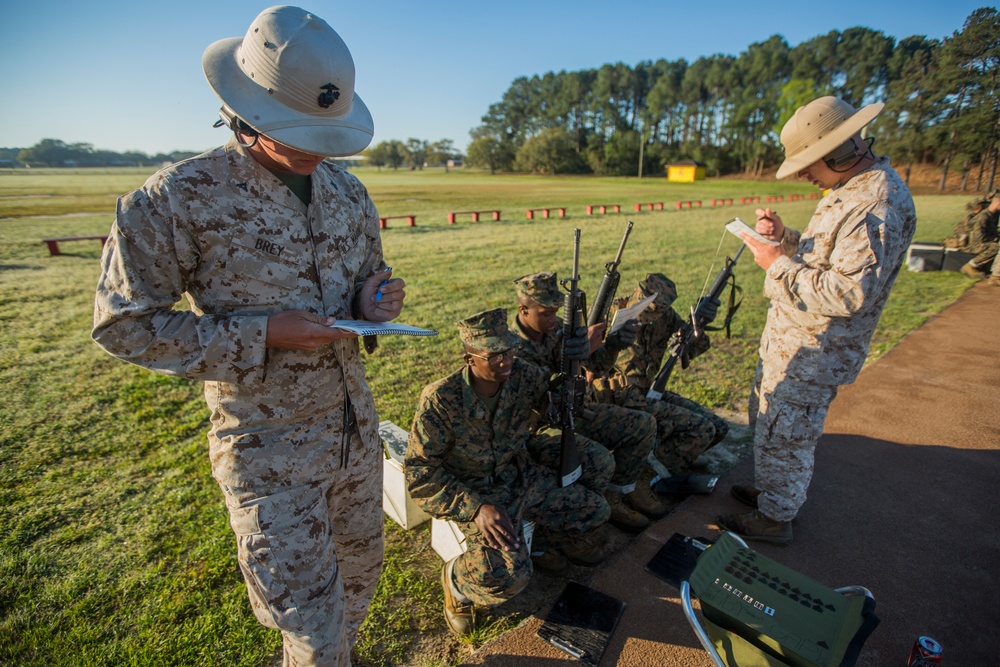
x: 986, y: 254
x: 597, y: 462
x: 488, y: 576
x: 311, y: 556
x: 683, y: 429
x: 629, y: 434
x: 720, y: 425
x: 787, y: 418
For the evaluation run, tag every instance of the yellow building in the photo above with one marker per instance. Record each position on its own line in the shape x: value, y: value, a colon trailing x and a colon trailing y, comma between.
x: 685, y: 171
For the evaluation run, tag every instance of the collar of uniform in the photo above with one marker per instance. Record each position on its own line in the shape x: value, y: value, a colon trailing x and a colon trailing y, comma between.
x: 473, y: 406
x: 250, y: 179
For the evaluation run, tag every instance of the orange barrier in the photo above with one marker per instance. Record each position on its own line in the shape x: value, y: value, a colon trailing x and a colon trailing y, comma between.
x: 475, y: 215
x: 750, y: 200
x: 689, y: 204
x: 722, y: 202
x: 53, y: 244
x: 603, y: 208
x: 649, y: 205
x: 411, y: 220
x: 545, y: 212
x: 774, y: 198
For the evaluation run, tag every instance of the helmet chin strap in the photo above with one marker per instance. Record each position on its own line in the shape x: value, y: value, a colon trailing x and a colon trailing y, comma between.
x: 228, y: 118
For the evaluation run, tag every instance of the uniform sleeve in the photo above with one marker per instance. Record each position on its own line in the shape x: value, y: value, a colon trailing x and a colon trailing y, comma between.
x: 855, y: 271
x: 145, y: 268
x: 432, y: 487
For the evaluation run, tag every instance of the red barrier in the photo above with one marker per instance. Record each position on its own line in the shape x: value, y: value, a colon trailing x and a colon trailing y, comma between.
x: 475, y: 215
x: 649, y: 205
x: 689, y: 204
x: 545, y: 212
x: 411, y: 220
x: 53, y: 244
x: 603, y: 208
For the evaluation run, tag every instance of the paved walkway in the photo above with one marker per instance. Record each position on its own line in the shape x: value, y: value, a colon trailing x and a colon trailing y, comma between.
x: 904, y: 501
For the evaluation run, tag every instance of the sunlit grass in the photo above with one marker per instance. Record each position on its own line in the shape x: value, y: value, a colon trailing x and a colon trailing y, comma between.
x: 115, y: 546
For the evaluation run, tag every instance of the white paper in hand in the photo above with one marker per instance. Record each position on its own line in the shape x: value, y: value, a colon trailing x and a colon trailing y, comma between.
x: 623, y: 315
x: 737, y: 227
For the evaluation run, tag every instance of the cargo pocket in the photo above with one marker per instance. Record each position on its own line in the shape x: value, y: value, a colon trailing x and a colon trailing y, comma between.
x: 288, y: 572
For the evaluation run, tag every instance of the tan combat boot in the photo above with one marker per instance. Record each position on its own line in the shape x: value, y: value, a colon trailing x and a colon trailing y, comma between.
x: 460, y: 616
x: 584, y: 548
x: 746, y: 494
x: 971, y: 270
x: 644, y: 499
x: 755, y: 526
x: 623, y: 516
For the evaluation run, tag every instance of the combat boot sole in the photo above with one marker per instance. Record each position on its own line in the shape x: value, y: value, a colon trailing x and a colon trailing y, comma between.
x: 459, y: 616
x: 755, y: 526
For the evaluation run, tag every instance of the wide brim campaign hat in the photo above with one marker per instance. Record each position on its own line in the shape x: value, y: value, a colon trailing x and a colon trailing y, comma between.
x: 292, y: 78
x: 817, y: 128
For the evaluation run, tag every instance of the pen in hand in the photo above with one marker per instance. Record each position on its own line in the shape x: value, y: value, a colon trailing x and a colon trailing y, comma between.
x: 378, y: 293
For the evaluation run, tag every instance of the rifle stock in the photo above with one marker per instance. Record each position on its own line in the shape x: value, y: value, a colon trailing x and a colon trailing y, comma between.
x: 697, y: 321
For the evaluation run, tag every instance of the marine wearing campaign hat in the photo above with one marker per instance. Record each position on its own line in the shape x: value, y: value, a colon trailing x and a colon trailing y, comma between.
x: 488, y: 331
x: 542, y: 288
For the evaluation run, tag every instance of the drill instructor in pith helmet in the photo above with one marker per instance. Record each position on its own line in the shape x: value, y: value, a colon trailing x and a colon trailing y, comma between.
x: 271, y: 245
x: 827, y: 287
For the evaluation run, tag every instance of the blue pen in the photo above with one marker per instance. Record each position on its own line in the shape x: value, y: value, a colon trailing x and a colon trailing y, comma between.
x: 378, y: 294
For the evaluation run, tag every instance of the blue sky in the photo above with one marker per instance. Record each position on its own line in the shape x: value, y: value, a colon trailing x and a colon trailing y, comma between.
x: 127, y: 75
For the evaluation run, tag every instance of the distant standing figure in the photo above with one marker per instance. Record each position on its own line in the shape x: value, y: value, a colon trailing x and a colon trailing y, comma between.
x: 271, y: 245
x: 827, y: 286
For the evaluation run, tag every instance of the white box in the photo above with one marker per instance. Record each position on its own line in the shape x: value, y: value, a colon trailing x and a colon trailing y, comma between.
x: 448, y: 541
x: 396, y: 501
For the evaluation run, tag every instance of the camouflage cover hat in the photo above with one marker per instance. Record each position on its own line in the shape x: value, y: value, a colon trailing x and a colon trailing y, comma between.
x: 818, y: 128
x: 488, y: 331
x: 542, y: 288
x: 659, y: 284
x: 292, y: 78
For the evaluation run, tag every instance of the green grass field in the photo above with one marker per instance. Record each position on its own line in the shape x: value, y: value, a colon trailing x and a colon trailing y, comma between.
x: 115, y: 548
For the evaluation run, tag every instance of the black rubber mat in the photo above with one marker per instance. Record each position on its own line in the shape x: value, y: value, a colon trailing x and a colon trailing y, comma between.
x: 686, y: 485
x: 581, y: 622
x: 676, y: 559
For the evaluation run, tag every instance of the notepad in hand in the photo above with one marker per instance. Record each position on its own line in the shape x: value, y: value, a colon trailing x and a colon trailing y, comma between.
x: 737, y: 227
x: 364, y: 328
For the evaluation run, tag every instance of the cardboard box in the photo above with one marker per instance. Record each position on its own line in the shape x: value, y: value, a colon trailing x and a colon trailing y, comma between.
x: 448, y: 541
x: 396, y: 501
x: 954, y: 260
x: 925, y: 257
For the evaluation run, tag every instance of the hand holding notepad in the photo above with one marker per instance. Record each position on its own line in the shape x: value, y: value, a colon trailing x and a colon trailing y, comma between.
x: 737, y: 227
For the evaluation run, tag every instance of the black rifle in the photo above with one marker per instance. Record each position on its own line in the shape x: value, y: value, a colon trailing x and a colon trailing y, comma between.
x: 573, y: 383
x: 697, y: 322
x: 609, y: 285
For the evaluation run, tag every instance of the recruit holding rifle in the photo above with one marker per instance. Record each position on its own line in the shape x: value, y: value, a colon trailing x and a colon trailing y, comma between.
x: 700, y: 318
x: 609, y: 285
x: 572, y: 384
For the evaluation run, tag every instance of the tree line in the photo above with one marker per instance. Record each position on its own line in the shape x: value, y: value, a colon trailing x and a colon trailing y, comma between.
x: 725, y: 112
x: 57, y: 153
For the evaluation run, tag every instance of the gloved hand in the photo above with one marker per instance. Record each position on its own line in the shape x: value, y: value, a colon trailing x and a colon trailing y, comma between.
x: 577, y: 347
x: 707, y: 309
x: 624, y: 337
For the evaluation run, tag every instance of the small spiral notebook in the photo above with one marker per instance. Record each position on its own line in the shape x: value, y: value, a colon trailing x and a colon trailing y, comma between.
x: 363, y: 328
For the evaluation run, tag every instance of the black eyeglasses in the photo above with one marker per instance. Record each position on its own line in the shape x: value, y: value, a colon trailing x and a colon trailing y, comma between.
x: 496, y: 358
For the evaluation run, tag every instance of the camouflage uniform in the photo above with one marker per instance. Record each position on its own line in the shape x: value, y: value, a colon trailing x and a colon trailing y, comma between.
x: 293, y: 440
x: 684, y: 428
x: 459, y: 457
x: 982, y: 241
x: 827, y: 294
x: 629, y: 434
